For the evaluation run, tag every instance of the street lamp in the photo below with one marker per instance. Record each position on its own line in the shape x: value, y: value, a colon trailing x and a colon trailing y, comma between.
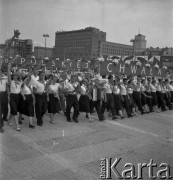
x: 133, y: 41
x: 45, y: 36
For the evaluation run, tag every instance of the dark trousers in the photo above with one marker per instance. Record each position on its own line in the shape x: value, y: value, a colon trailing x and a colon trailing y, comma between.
x: 3, y: 107
x: 109, y: 104
x: 126, y: 104
x: 167, y: 99
x: 149, y: 101
x: 161, y: 103
x: 97, y: 106
x: 40, y: 107
x: 137, y: 99
x: 72, y: 101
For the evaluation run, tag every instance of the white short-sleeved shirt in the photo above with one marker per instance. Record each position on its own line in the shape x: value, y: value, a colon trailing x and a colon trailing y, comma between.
x: 40, y: 87
x: 137, y: 87
x: 153, y: 88
x: 123, y: 90
x: 54, y: 87
x: 130, y: 90
x: 3, y: 83
x: 116, y: 90
x: 158, y: 87
x: 69, y: 87
x: 83, y: 89
x: 25, y: 90
x: 143, y: 88
x: 107, y: 88
x: 15, y: 87
x: 170, y: 87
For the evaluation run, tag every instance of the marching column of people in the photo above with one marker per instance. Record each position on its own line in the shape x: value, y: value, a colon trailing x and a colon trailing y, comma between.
x: 35, y: 95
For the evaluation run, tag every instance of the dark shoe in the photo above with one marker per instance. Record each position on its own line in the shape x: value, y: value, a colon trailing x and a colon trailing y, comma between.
x: 31, y: 126
x: 1, y: 130
x: 122, y: 117
x: 87, y: 116
x: 113, y: 118
x: 5, y: 119
x: 75, y: 120
x: 68, y: 120
x: 129, y: 116
x: 40, y: 124
x: 20, y: 122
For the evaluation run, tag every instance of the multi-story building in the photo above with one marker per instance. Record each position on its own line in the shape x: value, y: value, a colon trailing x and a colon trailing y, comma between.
x: 23, y: 47
x: 91, y: 43
x: 19, y: 46
x: 42, y: 52
x: 84, y: 43
x: 110, y: 48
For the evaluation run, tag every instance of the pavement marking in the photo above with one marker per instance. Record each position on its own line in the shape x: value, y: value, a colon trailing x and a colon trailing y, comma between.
x: 136, y: 129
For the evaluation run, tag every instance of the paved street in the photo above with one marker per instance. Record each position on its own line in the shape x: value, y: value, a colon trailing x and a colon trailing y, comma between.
x: 71, y: 151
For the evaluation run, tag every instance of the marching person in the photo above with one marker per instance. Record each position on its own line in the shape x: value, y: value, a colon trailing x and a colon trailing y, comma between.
x: 4, y: 91
x: 167, y: 96
x: 108, y: 97
x: 27, y: 101
x: 171, y: 90
x: 125, y: 97
x: 130, y: 94
x: 137, y: 94
x: 148, y: 93
x: 84, y: 99
x: 39, y: 89
x: 154, y: 95
x: 160, y: 95
x: 144, y: 96
x: 95, y: 102
x: 71, y: 89
x: 117, y: 99
x: 14, y: 96
x: 53, y: 98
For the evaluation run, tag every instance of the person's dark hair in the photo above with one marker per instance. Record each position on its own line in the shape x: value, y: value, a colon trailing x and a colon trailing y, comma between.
x: 153, y: 81
x: 129, y: 81
x: 143, y: 80
x: 110, y: 76
x: 104, y: 76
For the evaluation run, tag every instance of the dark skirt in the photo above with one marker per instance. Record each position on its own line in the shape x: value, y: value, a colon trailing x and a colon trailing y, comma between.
x: 84, y: 103
x: 171, y: 96
x: 14, y: 103
x: 53, y: 104
x: 154, y: 98
x: 132, y: 103
x: 3, y: 101
x: 143, y: 99
x: 117, y: 102
x: 26, y: 107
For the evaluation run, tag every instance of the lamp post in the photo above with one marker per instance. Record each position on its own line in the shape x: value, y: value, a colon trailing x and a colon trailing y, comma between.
x: 133, y: 41
x: 45, y: 36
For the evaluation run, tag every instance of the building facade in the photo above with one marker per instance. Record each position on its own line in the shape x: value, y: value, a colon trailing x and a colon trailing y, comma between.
x: 109, y: 48
x: 84, y: 43
x: 19, y: 47
x: 91, y: 43
x: 42, y: 52
x: 23, y: 47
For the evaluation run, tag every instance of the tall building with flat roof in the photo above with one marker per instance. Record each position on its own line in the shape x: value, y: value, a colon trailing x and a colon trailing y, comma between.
x: 84, y: 43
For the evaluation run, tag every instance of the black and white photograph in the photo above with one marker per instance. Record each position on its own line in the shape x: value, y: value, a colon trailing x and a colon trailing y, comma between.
x: 86, y: 89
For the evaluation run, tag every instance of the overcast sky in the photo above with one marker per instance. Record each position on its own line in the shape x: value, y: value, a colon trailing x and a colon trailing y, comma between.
x: 120, y: 19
